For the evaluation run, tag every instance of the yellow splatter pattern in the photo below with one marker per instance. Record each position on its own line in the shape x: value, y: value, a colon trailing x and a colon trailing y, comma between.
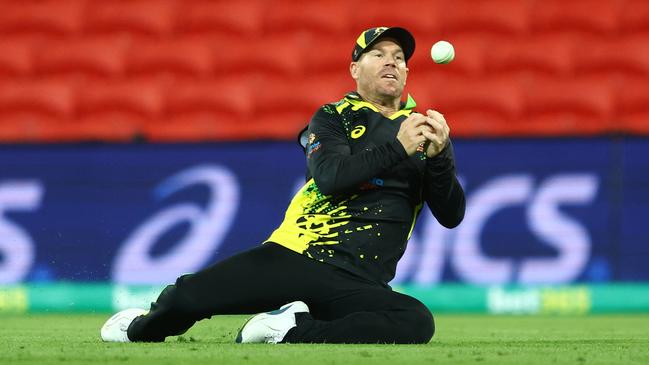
x: 313, y: 220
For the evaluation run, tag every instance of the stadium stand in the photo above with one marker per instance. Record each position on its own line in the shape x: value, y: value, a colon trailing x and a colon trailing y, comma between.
x: 174, y: 57
x: 634, y: 16
x: 600, y: 17
x: 238, y: 18
x: 564, y: 106
x: 150, y: 18
x: 326, y: 18
x: 497, y: 17
x: 16, y: 56
x: 199, y: 70
x: 49, y: 18
x: 117, y: 110
x: 478, y: 107
x: 426, y: 21
x: 89, y: 56
x: 522, y: 56
x: 628, y: 55
x: 36, y: 111
x: 632, y: 113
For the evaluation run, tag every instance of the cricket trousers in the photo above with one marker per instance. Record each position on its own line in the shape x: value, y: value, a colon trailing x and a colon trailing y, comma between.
x: 344, y: 308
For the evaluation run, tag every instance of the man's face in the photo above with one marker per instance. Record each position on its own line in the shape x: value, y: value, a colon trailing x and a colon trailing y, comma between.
x: 381, y: 71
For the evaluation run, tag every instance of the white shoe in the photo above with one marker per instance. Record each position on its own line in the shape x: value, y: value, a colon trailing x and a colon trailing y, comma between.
x: 271, y: 327
x: 114, y: 330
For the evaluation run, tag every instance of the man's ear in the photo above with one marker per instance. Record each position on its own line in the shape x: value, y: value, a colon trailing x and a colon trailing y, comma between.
x: 353, y: 70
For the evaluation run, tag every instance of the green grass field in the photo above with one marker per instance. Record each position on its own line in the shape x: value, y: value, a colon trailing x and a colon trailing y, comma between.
x: 74, y: 339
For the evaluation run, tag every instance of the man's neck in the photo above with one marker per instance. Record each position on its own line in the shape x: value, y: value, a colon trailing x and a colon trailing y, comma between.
x: 386, y: 106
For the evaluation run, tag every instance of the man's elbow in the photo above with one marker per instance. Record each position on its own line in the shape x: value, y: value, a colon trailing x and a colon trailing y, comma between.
x: 454, y: 221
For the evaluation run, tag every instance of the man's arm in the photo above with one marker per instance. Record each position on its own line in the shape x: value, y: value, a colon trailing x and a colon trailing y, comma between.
x: 331, y: 164
x: 442, y: 191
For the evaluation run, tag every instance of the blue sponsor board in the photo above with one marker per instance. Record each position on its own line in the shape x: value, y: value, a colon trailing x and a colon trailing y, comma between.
x: 549, y: 211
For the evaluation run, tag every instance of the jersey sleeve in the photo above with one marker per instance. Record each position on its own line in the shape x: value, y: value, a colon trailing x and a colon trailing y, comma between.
x: 442, y: 190
x: 330, y: 160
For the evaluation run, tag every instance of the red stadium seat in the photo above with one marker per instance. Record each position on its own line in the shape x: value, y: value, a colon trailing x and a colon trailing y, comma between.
x: 421, y: 17
x: 137, y: 97
x: 472, y: 106
x: 117, y: 110
x: 220, y: 96
x: 345, y: 20
x: 35, y: 111
x: 284, y: 125
x: 183, y: 57
x: 544, y: 55
x: 321, y: 18
x: 500, y: 17
x: 16, y: 56
x: 627, y: 55
x: 568, y: 106
x: 93, y: 56
x: 635, y: 16
x: 632, y: 106
x: 109, y: 127
x: 137, y: 17
x: 583, y: 16
x: 202, y: 127
x: 49, y: 98
x: 304, y: 94
x: 45, y: 17
x: 277, y: 54
x: 37, y: 128
x: 328, y: 55
x: 206, y: 110
x: 283, y: 107
x: 222, y: 17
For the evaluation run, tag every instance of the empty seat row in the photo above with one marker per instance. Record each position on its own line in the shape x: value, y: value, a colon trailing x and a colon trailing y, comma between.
x: 155, y: 97
x: 123, y: 127
x: 273, y: 107
x: 115, y: 56
x: 163, y: 17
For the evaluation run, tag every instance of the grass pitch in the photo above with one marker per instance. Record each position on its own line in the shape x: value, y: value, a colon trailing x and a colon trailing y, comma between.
x: 74, y: 339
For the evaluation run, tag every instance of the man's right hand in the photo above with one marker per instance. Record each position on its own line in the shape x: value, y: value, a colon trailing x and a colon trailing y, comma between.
x: 411, y: 132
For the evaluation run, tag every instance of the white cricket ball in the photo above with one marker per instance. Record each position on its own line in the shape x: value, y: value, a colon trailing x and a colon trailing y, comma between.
x: 442, y: 52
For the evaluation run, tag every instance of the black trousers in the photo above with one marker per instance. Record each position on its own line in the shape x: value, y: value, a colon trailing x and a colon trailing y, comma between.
x: 345, y: 308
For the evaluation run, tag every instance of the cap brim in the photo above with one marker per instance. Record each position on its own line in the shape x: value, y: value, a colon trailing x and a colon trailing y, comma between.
x: 401, y: 35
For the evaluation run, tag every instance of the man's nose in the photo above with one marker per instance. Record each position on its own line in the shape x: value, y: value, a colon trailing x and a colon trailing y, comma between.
x: 390, y: 60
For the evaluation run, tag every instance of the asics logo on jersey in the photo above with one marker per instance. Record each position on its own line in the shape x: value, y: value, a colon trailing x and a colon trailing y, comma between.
x: 358, y: 131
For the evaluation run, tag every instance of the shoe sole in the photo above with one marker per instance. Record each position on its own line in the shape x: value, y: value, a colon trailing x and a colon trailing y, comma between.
x: 275, y: 312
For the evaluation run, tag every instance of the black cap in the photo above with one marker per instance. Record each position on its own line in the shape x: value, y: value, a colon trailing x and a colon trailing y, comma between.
x: 372, y: 35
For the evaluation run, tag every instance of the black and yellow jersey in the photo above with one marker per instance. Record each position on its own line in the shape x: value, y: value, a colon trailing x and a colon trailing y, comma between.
x: 363, y: 192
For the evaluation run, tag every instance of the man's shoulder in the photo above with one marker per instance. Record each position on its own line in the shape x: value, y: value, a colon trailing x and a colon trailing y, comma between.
x: 337, y: 107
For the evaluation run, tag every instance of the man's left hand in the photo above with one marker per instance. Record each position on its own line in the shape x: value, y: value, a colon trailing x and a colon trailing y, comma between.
x: 438, y: 139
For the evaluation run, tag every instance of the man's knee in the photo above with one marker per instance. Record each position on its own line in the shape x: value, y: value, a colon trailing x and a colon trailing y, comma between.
x: 422, y: 324
x: 176, y: 297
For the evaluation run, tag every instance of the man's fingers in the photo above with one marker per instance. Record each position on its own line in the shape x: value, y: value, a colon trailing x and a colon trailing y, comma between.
x: 433, y: 137
x: 425, y: 127
x: 417, y: 119
x: 434, y: 114
x: 435, y: 124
